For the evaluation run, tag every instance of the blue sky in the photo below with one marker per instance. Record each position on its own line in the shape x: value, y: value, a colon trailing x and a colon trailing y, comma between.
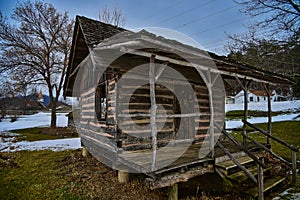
x: 206, y: 21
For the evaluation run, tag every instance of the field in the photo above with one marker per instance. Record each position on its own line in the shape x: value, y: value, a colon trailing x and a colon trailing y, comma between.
x: 66, y: 174
x: 69, y: 175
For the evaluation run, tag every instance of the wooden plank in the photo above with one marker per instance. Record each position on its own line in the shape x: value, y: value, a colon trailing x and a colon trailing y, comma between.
x: 229, y: 164
x: 268, y: 184
x: 177, y: 177
x: 243, y: 148
x: 236, y: 162
x: 240, y: 176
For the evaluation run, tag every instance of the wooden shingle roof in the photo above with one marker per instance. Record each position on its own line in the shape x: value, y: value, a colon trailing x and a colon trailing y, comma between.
x: 95, y: 32
x: 89, y: 33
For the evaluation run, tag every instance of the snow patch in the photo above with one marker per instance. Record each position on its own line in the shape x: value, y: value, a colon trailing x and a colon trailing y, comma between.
x: 258, y: 120
x: 54, y: 145
x: 41, y: 119
x: 291, y: 106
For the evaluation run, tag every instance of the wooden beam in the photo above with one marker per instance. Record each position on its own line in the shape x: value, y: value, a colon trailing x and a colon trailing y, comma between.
x: 160, y: 71
x: 234, y: 160
x: 260, y: 177
x: 194, y: 65
x: 245, y: 87
x: 177, y: 176
x: 173, y: 192
x: 158, y: 116
x: 153, y: 111
x: 268, y: 150
x: 243, y: 148
x: 210, y: 83
x: 272, y: 137
x: 294, y: 167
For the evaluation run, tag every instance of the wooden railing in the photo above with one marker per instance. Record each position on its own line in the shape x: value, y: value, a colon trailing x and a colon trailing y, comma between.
x: 260, y: 164
x: 293, y: 149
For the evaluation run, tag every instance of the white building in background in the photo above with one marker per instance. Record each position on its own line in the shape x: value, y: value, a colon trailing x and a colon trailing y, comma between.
x: 255, y: 96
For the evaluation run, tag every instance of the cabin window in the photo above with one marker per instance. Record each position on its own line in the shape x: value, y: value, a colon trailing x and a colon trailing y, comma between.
x: 257, y: 98
x: 101, y: 102
x: 251, y: 98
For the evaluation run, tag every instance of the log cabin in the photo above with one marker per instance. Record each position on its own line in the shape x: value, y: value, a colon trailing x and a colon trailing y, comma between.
x: 156, y: 106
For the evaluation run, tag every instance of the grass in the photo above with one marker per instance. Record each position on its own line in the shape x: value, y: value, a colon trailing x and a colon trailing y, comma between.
x: 34, y: 175
x: 288, y: 131
x: 64, y: 175
x: 43, y: 133
x: 68, y: 175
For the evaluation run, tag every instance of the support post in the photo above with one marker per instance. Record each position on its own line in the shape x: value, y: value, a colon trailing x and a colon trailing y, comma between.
x: 85, y: 152
x: 260, y: 180
x: 211, y: 124
x: 267, y: 89
x: 245, y: 114
x: 173, y: 192
x: 153, y: 111
x: 245, y: 87
x: 123, y: 176
x: 294, y: 167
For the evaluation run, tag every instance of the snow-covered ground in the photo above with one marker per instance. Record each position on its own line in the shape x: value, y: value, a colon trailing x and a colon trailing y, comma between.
x: 257, y: 120
x: 54, y: 145
x: 263, y: 106
x: 42, y: 119
x: 285, y: 106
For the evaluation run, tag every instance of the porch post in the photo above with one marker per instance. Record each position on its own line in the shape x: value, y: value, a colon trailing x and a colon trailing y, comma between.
x: 245, y: 114
x: 267, y: 89
x: 245, y: 85
x: 153, y: 111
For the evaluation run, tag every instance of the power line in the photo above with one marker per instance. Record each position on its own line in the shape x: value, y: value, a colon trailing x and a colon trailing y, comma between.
x: 224, y: 39
x: 159, y: 11
x: 184, y: 12
x: 202, y: 18
x: 216, y: 27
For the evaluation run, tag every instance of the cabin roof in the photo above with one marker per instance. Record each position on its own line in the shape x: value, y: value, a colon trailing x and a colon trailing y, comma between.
x: 86, y: 34
x: 91, y: 34
x: 262, y: 93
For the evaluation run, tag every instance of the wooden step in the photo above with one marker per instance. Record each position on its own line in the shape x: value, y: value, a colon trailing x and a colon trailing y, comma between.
x: 269, y: 183
x: 229, y: 165
x: 240, y: 176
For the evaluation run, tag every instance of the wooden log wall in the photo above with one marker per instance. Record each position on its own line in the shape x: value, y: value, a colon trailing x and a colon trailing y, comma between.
x: 139, y: 108
x: 92, y: 128
x: 129, y: 137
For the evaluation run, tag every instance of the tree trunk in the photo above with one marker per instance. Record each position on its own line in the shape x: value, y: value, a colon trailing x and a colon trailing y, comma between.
x: 53, y: 114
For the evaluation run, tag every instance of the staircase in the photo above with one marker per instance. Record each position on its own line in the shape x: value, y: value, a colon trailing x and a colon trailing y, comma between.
x: 254, y: 171
x: 237, y: 180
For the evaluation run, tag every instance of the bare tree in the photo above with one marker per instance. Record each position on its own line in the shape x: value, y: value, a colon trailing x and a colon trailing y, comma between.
x: 37, y: 48
x: 273, y: 38
x: 278, y: 16
x: 113, y: 16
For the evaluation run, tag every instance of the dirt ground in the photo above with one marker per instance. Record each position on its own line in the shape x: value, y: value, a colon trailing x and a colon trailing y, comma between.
x: 100, y: 182
x: 69, y: 175
x: 63, y: 132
